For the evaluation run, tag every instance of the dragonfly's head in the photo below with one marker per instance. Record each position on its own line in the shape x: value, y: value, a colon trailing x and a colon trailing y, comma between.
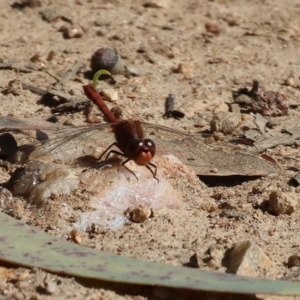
x: 141, y: 151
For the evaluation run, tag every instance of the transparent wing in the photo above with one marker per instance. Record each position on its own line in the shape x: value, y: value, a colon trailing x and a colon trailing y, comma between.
x: 208, y: 159
x: 71, y: 142
x: 67, y: 143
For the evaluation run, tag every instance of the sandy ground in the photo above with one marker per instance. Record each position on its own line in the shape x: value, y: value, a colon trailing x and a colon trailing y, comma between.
x: 169, y: 47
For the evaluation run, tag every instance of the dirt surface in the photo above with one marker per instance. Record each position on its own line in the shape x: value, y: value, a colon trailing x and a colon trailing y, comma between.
x: 172, y: 51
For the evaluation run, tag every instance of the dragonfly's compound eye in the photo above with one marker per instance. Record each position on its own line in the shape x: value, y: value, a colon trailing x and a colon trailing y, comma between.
x: 149, y: 144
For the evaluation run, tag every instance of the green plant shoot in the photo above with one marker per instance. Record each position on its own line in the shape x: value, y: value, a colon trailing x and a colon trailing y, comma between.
x: 97, y: 75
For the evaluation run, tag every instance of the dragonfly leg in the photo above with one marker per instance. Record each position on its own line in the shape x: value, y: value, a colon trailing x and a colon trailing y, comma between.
x: 151, y: 170
x: 100, y: 164
x: 113, y: 152
x: 123, y: 164
x: 113, y: 144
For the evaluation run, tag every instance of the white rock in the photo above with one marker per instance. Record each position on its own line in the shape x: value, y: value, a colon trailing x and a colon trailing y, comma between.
x: 111, y: 95
x: 247, y: 259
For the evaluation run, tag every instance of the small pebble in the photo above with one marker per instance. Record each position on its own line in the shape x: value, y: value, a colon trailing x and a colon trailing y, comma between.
x: 75, y: 92
x: 289, y: 82
x: 50, y: 55
x: 110, y: 94
x: 185, y: 68
x: 132, y: 71
x: 213, y: 28
x: 117, y: 111
x: 139, y: 214
x: 157, y: 3
x: 216, y: 256
x: 51, y: 287
x: 281, y: 203
x: 75, y: 236
x: 294, y: 260
x: 50, y: 15
x: 14, y: 87
x: 72, y: 31
x: 26, y: 3
x: 225, y: 122
x: 193, y: 261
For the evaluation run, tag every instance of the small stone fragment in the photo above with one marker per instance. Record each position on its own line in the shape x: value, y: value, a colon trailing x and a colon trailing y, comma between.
x: 214, y: 28
x: 225, y: 122
x: 139, y: 214
x: 50, y: 15
x: 229, y: 211
x: 281, y: 203
x: 132, y: 71
x: 14, y: 87
x: 50, y: 55
x: 289, y: 82
x: 216, y: 255
x: 26, y: 3
x: 294, y: 260
x: 36, y: 57
x: 261, y: 122
x: 75, y: 92
x: 72, y: 31
x: 49, y: 285
x: 296, y: 179
x: 40, y: 180
x: 235, y: 108
x: 193, y: 261
x: 117, y: 111
x: 110, y: 95
x: 247, y: 259
x: 75, y: 236
x: 157, y: 3
x: 231, y: 20
x: 184, y: 68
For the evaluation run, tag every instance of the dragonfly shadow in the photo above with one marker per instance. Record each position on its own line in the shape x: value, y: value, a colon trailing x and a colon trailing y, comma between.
x: 49, y: 100
x: 8, y: 145
x: 91, y: 162
x: 226, y: 181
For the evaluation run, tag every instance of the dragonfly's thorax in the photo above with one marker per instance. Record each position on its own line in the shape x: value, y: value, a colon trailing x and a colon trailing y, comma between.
x: 127, y: 130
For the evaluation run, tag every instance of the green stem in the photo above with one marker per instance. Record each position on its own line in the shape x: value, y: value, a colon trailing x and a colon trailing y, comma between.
x: 97, y: 75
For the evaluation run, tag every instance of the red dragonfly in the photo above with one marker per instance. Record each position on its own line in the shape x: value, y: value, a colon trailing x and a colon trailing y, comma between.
x: 131, y: 141
x: 129, y: 135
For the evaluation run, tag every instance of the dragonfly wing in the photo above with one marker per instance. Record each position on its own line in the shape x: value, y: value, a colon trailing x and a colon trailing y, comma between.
x: 28, y: 126
x: 66, y: 142
x: 72, y: 142
x: 208, y: 159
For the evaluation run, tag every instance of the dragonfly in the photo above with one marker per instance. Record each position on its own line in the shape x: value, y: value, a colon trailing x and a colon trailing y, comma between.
x: 140, y: 142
